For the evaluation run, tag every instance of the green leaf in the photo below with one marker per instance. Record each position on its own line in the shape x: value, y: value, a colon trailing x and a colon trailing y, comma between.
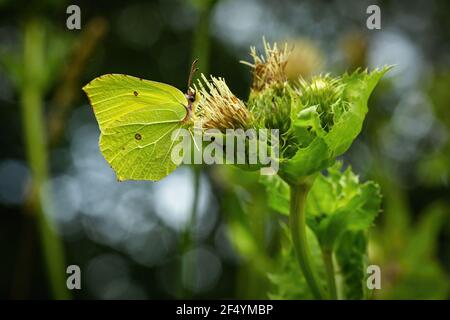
x: 315, y: 157
x: 277, y: 193
x: 357, y: 89
x: 339, y: 203
x: 351, y: 255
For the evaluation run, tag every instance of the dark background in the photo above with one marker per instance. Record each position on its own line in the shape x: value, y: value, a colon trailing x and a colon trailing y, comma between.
x: 137, y: 239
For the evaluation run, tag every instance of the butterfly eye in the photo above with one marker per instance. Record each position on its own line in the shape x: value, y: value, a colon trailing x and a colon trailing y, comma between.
x: 191, y: 96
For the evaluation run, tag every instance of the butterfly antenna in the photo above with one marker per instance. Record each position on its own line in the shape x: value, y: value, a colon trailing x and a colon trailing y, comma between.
x: 191, y: 74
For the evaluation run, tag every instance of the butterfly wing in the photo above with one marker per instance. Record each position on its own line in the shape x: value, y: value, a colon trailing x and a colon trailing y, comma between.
x: 136, y: 118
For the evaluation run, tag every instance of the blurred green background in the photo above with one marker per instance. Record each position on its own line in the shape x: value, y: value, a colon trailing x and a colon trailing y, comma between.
x: 207, y: 232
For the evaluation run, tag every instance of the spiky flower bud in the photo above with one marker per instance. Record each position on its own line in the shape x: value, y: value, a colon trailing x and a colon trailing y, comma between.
x: 325, y: 93
x: 271, y: 108
x: 219, y: 108
x: 271, y: 95
x: 268, y: 69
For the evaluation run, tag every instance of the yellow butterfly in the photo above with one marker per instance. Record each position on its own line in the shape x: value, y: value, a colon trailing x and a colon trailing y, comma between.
x: 136, y: 118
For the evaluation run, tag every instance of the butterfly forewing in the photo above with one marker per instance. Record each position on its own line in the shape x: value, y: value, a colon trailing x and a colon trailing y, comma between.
x: 114, y: 95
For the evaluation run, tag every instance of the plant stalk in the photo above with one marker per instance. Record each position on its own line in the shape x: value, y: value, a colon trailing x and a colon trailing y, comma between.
x: 329, y: 269
x: 32, y: 92
x: 297, y: 222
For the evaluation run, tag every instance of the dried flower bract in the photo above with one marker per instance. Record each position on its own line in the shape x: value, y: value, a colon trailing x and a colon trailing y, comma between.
x: 270, y: 67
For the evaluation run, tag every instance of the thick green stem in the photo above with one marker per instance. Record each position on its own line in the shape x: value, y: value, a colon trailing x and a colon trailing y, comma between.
x: 37, y: 156
x: 297, y: 221
x: 329, y: 269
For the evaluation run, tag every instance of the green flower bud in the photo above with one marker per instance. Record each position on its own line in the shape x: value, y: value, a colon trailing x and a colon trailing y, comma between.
x: 327, y: 118
x: 271, y: 108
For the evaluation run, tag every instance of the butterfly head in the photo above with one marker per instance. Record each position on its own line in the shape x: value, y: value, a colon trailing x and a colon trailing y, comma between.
x: 192, y: 97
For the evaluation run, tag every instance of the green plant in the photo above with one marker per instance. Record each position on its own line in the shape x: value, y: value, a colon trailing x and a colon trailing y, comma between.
x: 339, y: 210
x: 317, y: 121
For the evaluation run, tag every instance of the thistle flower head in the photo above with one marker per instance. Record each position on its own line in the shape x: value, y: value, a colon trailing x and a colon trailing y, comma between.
x: 219, y: 108
x: 325, y: 93
x: 268, y: 68
x: 326, y: 117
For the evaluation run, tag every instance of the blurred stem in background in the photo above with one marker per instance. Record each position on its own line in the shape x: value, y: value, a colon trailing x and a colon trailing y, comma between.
x: 69, y: 88
x: 32, y: 92
x: 63, y: 99
x: 248, y: 230
x: 201, y: 43
x: 200, y: 51
x: 251, y: 228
